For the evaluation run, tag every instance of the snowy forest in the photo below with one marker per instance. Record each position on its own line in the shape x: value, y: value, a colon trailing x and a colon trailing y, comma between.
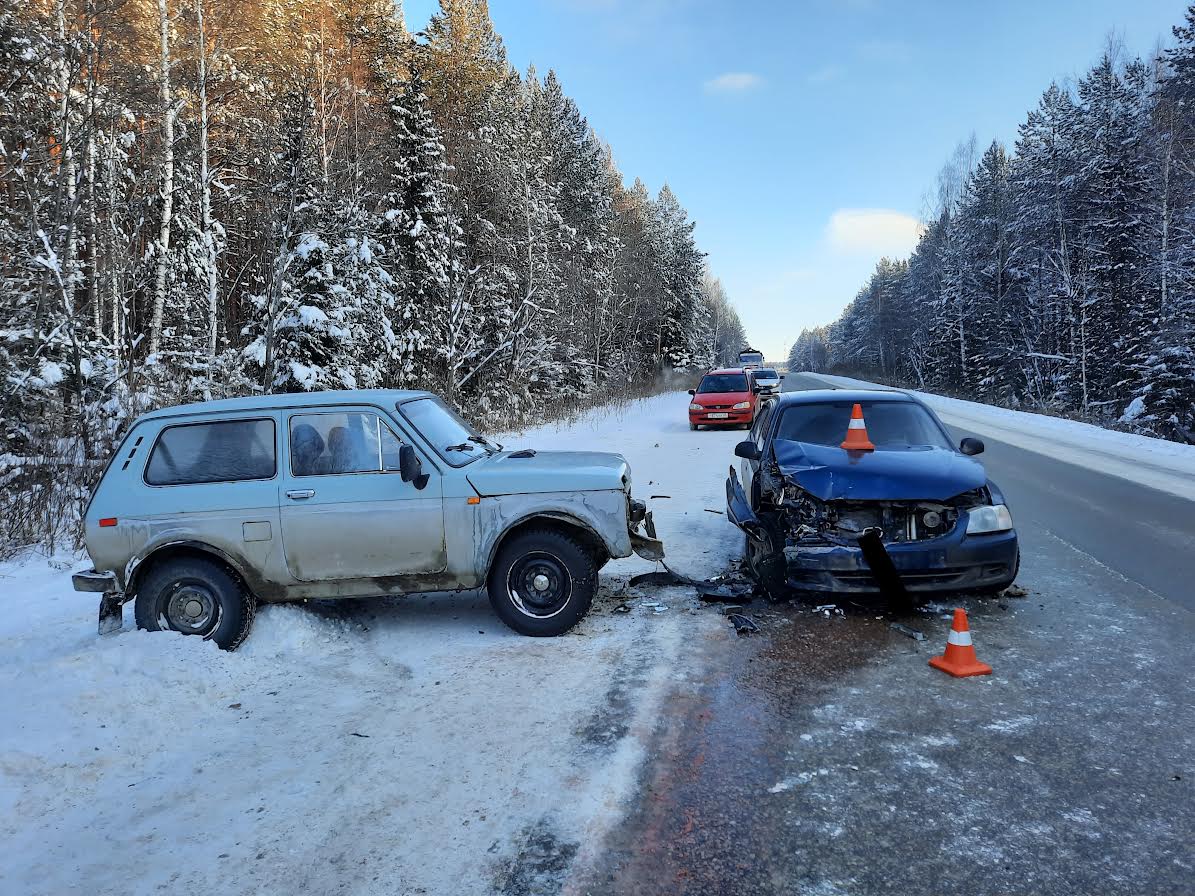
x: 205, y: 198
x: 1059, y: 276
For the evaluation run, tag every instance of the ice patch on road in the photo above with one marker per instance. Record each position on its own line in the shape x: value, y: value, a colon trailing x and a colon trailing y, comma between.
x: 797, y: 780
x: 1008, y: 726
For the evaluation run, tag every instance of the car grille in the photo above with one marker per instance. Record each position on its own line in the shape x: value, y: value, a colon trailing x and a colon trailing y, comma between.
x: 717, y: 407
x: 912, y: 577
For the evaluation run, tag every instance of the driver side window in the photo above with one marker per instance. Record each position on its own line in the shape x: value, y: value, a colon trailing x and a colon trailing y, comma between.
x: 759, y: 431
x: 329, y: 444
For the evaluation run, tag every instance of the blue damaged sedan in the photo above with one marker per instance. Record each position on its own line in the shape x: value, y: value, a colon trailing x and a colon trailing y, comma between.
x: 894, y: 507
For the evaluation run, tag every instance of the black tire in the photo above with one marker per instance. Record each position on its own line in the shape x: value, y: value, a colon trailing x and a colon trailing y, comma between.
x: 694, y: 427
x: 765, y: 563
x: 195, y: 596
x: 567, y: 570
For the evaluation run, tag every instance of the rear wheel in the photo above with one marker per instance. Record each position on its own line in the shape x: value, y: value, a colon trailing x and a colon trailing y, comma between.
x: 195, y: 596
x: 542, y: 583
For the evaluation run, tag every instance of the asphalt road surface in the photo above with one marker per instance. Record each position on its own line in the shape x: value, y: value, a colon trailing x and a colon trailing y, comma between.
x: 825, y: 757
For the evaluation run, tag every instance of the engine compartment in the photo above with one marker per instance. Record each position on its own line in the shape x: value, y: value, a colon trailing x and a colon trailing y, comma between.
x: 806, y: 519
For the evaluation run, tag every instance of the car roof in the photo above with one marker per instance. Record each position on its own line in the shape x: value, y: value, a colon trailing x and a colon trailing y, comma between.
x: 821, y: 396
x: 289, y: 400
x: 718, y: 370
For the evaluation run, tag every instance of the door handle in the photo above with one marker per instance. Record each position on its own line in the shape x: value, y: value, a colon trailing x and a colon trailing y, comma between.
x: 299, y: 494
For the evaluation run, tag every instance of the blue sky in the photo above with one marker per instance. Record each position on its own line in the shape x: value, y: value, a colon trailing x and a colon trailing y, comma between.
x: 802, y: 136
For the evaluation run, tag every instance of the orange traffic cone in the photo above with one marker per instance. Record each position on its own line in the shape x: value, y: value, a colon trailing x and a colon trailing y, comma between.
x: 959, y: 659
x: 856, y: 433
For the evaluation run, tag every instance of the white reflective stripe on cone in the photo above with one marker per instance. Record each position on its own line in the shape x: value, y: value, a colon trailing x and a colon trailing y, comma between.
x: 959, y: 639
x: 857, y: 424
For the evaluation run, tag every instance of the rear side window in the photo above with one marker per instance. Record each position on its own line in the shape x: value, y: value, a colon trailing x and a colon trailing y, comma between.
x: 227, y: 451
x: 759, y: 431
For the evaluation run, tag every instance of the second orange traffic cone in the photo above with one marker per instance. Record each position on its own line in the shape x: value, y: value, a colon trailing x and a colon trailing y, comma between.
x: 959, y: 659
x: 856, y: 432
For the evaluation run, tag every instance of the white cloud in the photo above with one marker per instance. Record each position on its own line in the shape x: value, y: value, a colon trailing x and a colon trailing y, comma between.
x: 825, y: 74
x: 873, y: 231
x: 733, y: 82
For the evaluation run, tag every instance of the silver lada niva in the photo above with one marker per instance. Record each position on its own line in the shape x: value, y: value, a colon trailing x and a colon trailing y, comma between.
x: 207, y: 510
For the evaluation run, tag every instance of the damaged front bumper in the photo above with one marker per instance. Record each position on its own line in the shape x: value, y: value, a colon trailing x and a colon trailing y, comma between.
x: 645, y: 543
x: 953, y: 562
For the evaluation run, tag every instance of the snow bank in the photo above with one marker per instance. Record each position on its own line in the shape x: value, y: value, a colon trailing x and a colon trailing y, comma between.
x: 1156, y: 463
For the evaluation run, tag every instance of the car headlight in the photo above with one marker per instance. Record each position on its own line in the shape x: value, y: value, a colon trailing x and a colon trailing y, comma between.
x: 742, y: 406
x: 695, y: 407
x: 985, y: 520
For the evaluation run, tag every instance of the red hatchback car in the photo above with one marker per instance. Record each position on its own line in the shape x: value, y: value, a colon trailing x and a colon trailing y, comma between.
x: 723, y: 398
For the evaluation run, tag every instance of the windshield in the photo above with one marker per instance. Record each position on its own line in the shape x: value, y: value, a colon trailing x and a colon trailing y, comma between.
x: 723, y: 382
x: 454, y: 439
x: 751, y: 358
x: 890, y: 424
x: 765, y: 373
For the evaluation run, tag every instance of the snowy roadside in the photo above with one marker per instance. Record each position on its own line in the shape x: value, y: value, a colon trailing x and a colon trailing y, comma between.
x: 1156, y: 463
x: 374, y: 746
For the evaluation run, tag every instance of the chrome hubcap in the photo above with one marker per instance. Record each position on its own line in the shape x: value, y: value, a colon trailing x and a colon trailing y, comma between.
x: 541, y: 582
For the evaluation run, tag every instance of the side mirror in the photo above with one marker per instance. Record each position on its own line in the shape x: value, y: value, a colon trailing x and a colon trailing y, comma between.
x: 756, y: 390
x: 692, y: 391
x: 410, y: 467
x: 970, y: 446
x: 747, y: 450
x: 782, y: 376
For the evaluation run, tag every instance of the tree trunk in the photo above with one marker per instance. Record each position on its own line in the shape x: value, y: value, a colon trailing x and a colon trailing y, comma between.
x: 163, y: 247
x: 211, y: 274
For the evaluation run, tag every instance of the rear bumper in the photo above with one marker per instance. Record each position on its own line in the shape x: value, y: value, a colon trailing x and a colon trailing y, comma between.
x: 954, y: 562
x: 93, y: 582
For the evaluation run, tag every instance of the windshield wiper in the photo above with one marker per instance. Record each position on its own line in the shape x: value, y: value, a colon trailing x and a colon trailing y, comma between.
x: 486, y: 443
x: 463, y: 446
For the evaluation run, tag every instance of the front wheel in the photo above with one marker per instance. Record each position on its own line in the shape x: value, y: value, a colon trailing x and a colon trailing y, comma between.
x: 195, y: 596
x: 694, y: 427
x: 764, y: 559
x: 542, y: 583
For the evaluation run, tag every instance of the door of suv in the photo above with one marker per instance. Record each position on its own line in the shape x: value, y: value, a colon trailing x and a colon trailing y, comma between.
x: 346, y: 513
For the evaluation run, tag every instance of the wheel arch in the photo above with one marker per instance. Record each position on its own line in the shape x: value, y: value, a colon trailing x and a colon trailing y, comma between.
x: 173, y: 550
x: 569, y: 525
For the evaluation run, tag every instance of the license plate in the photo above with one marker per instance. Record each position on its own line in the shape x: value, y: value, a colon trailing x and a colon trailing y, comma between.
x: 719, y: 416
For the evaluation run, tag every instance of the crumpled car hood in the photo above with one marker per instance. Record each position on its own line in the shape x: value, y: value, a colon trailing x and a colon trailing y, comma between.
x: 547, y: 471
x: 917, y: 474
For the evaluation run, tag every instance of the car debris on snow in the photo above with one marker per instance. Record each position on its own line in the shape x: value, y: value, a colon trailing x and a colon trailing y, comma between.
x: 1015, y: 590
x: 716, y: 593
x: 661, y: 578
x: 908, y: 632
x: 743, y: 624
